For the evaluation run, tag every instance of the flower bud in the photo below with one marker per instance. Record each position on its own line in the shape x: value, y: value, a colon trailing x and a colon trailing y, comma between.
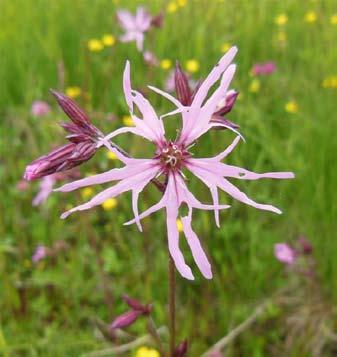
x: 182, y: 86
x: 181, y: 349
x: 125, y: 320
x: 157, y: 21
x: 136, y: 305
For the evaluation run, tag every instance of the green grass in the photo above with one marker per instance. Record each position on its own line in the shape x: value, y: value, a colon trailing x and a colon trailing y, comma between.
x: 47, y: 310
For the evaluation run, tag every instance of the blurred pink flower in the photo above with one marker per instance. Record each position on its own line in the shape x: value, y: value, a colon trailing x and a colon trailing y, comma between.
x: 170, y: 82
x: 22, y: 185
x: 134, y: 26
x: 150, y: 58
x: 263, y: 68
x: 170, y: 159
x: 284, y: 253
x: 40, y: 108
x: 46, y: 188
x: 39, y: 254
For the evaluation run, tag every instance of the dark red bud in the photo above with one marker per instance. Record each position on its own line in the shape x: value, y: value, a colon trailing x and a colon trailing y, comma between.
x: 157, y: 21
x: 136, y: 305
x: 182, y: 86
x: 305, y: 245
x: 126, y: 319
x: 229, y: 102
x: 181, y: 349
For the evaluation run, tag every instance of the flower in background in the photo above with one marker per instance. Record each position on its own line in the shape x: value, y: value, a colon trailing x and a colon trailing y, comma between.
x: 330, y: 82
x: 181, y: 3
x: 263, y: 68
x: 87, y: 192
x: 108, y: 40
x: 144, y: 351
x: 169, y: 82
x: 171, y: 7
x: 284, y: 253
x: 127, y: 120
x: 181, y: 349
x: 22, y: 185
x: 84, y: 140
x: 95, y: 45
x: 39, y: 254
x: 170, y: 158
x: 281, y: 19
x: 109, y: 204
x: 192, y: 66
x: 46, y: 188
x: 333, y: 19
x: 40, y: 108
x: 254, y: 86
x: 165, y: 63
x: 310, y: 17
x: 150, y: 58
x: 111, y: 155
x: 291, y: 107
x: 73, y: 92
x: 225, y: 47
x: 180, y: 225
x: 134, y: 26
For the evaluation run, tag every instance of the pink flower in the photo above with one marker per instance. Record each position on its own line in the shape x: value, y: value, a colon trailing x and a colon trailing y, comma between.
x: 39, y: 254
x: 150, y: 58
x: 171, y: 158
x: 284, y: 253
x: 134, y: 26
x: 263, y: 68
x: 46, y: 188
x: 40, y: 108
x: 170, y: 82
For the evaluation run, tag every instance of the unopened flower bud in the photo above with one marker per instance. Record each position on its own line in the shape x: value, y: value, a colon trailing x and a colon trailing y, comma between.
x: 182, y: 86
x: 125, y: 320
x: 181, y: 349
x: 136, y: 305
x: 157, y: 21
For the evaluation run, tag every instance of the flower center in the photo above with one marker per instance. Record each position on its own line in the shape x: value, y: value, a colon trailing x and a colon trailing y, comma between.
x: 172, y: 156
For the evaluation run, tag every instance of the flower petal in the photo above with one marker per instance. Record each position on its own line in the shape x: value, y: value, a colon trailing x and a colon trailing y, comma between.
x: 198, y: 253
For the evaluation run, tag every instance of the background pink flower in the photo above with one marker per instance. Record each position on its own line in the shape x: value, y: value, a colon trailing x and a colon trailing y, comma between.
x: 40, y: 108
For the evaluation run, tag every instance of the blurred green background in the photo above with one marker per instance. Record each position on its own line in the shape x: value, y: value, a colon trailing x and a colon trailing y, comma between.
x: 287, y: 118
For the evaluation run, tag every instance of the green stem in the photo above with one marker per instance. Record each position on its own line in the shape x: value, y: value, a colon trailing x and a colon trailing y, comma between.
x: 171, y: 298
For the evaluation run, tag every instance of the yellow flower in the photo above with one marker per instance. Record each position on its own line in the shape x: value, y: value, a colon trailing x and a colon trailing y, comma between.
x: 109, y: 204
x: 147, y: 352
x: 333, y: 19
x: 281, y: 19
x: 95, y: 45
x: 111, y: 155
x: 192, y: 66
x: 179, y: 225
x: 225, y: 47
x: 166, y: 63
x: 310, y: 17
x: 127, y: 120
x: 108, y: 40
x: 254, y: 86
x: 87, y: 192
x: 171, y: 7
x: 73, y: 92
x: 291, y: 107
x: 182, y: 3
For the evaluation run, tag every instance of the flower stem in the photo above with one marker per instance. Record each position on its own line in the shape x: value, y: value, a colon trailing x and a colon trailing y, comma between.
x: 171, y: 299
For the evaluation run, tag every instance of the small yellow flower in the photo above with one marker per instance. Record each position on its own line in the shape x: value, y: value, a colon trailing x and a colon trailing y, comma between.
x: 310, y: 17
x: 87, y: 192
x: 291, y: 107
x: 225, y: 47
x: 333, y: 19
x: 179, y: 225
x: 281, y: 19
x: 166, y: 63
x: 147, y: 352
x: 326, y: 83
x: 111, y: 155
x: 73, y: 92
x: 108, y: 40
x: 95, y: 45
x: 192, y: 66
x: 127, y: 120
x: 172, y: 7
x: 182, y: 3
x: 254, y: 86
x: 109, y: 204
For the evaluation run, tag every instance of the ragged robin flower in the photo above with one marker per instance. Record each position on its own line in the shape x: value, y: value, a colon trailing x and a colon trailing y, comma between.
x: 169, y: 161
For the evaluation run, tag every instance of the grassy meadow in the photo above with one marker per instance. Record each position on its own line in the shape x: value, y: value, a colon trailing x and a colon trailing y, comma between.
x: 54, y: 307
